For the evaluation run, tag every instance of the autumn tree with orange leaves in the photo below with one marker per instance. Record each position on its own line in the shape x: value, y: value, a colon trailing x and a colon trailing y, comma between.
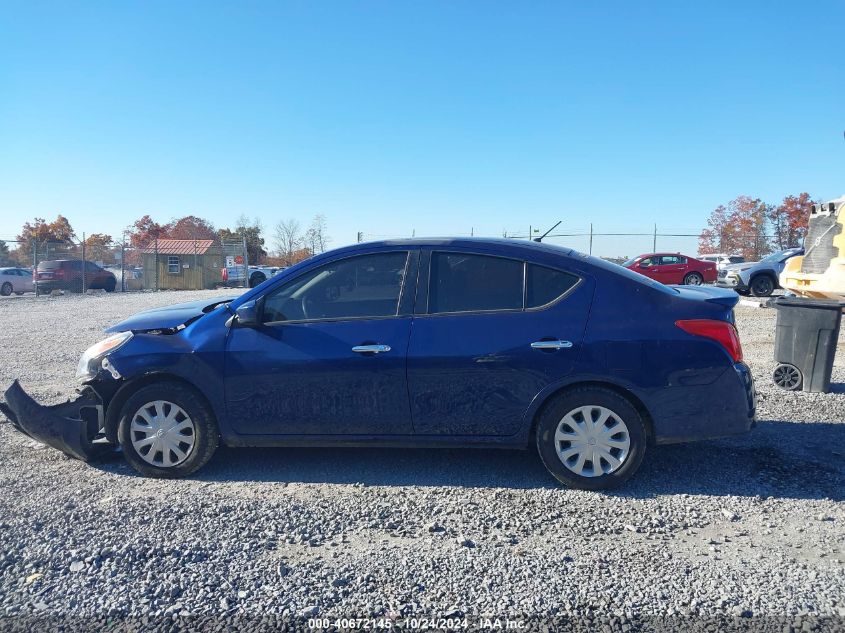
x: 752, y: 228
x: 41, y: 232
x: 789, y: 220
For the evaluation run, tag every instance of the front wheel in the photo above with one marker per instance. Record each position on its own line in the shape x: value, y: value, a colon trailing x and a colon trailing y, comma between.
x: 167, y: 430
x: 693, y: 279
x: 6, y: 289
x: 788, y: 377
x: 591, y: 438
x: 110, y: 285
x: 762, y: 286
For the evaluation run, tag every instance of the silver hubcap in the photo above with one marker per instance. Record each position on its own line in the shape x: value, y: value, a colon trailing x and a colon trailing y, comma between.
x: 162, y: 433
x: 694, y: 280
x: 592, y: 441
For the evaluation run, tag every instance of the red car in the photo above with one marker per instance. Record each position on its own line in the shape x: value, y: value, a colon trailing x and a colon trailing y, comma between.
x: 66, y: 274
x: 674, y: 268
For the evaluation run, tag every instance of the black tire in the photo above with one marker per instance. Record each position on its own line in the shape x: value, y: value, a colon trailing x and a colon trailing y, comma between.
x: 762, y: 286
x: 6, y: 289
x: 206, y: 437
x: 110, y: 284
x: 743, y: 293
x: 693, y: 279
x: 554, y: 412
x: 257, y: 278
x: 18, y: 293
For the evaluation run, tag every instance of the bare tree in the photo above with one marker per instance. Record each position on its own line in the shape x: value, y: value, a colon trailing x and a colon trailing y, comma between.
x: 288, y: 239
x: 316, y: 239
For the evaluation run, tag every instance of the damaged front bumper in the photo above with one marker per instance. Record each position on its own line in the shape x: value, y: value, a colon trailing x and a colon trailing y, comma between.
x: 74, y: 427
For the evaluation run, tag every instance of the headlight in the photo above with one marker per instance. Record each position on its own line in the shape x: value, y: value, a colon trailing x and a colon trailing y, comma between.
x: 90, y: 362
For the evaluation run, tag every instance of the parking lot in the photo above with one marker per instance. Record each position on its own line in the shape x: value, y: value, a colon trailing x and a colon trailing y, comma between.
x: 750, y: 527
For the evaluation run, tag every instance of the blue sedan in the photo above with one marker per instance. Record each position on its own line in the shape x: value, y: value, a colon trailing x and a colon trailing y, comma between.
x: 437, y: 342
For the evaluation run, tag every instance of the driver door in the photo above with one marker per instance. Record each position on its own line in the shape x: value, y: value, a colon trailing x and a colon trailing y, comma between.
x: 328, y: 355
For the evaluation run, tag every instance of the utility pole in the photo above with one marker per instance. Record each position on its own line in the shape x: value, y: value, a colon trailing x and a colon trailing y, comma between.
x: 246, y: 262
x: 654, y: 243
x: 123, y: 262
x: 360, y: 237
x: 83, y: 263
x: 591, y: 238
x: 35, y: 264
x: 156, y: 259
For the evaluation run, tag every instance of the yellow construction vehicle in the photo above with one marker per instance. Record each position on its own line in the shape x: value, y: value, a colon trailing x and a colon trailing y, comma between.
x: 820, y: 272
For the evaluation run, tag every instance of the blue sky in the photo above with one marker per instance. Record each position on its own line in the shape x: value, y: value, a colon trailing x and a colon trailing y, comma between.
x: 428, y: 117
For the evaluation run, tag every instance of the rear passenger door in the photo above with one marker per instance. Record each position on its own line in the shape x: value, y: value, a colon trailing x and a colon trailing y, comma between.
x: 670, y: 269
x: 489, y: 333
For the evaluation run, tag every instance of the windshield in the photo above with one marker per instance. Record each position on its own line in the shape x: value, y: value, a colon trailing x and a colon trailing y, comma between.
x: 630, y: 262
x: 777, y: 256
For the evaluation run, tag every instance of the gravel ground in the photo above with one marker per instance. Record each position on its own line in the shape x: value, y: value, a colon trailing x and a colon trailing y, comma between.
x: 744, y: 530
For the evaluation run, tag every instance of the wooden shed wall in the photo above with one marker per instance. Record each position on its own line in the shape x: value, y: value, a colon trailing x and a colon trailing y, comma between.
x: 203, y: 271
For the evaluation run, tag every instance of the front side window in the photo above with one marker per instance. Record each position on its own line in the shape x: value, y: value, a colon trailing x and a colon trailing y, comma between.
x: 173, y: 266
x: 355, y: 287
x: 545, y: 285
x: 461, y: 282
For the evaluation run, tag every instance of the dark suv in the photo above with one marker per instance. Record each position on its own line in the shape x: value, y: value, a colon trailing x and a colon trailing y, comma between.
x: 66, y: 274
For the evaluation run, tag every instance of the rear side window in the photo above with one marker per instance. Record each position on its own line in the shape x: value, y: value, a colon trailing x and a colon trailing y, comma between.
x: 468, y: 283
x: 546, y: 284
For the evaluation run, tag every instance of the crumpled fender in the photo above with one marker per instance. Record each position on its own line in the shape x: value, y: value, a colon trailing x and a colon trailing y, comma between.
x: 70, y: 427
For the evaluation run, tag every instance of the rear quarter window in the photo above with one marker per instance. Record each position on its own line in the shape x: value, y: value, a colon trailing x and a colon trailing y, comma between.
x: 546, y: 285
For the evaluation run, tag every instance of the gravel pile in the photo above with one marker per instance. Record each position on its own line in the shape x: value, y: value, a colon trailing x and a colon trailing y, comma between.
x: 743, y: 530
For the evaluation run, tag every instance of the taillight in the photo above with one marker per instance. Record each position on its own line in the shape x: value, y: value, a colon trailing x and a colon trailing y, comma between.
x: 722, y: 332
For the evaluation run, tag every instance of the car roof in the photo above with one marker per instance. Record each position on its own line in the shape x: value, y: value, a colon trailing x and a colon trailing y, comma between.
x: 461, y: 242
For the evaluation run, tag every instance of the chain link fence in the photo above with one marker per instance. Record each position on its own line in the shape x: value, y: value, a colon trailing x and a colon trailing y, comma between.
x: 161, y: 264
x: 609, y: 244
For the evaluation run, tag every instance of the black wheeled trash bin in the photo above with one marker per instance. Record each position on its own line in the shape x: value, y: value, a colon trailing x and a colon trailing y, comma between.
x: 805, y: 342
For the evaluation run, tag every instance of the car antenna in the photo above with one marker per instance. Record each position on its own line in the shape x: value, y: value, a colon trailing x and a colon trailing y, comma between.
x: 540, y: 239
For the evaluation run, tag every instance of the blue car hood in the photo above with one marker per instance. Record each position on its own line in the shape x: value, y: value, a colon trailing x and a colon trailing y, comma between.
x: 168, y: 317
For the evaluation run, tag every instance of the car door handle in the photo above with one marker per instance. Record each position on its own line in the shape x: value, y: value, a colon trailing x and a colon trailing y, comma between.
x: 370, y: 349
x: 551, y: 344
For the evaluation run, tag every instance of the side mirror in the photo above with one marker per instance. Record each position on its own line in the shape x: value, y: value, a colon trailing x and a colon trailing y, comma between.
x: 247, y: 313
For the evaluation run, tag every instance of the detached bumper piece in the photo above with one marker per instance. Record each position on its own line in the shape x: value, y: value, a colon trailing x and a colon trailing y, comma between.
x: 72, y: 427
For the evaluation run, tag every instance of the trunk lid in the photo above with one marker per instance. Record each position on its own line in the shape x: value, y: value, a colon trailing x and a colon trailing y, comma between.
x: 719, y: 296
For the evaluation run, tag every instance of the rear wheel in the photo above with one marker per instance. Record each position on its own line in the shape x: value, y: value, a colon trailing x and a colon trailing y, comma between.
x: 591, y: 438
x: 693, y: 279
x: 6, y: 289
x: 110, y: 284
x: 762, y: 286
x: 167, y: 430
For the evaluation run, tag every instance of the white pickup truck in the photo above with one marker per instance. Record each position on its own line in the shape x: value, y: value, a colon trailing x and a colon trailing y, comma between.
x: 234, y: 275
